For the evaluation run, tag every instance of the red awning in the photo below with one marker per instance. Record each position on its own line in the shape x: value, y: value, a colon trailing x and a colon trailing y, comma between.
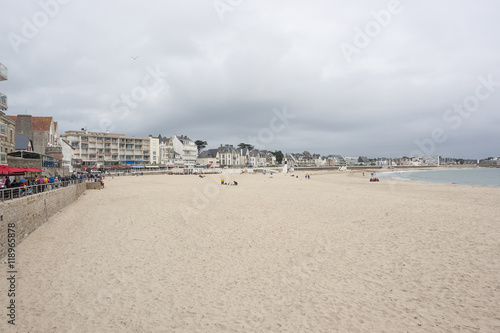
x: 13, y: 171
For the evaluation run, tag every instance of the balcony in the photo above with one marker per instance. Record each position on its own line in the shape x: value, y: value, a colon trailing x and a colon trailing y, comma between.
x: 3, y: 72
x: 3, y: 158
x: 3, y: 130
x: 3, y: 102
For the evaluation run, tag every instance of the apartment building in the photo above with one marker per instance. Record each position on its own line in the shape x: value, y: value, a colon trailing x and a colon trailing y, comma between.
x: 154, y: 148
x: 185, y: 149
x: 7, y: 126
x: 100, y: 149
x: 7, y: 137
x: 167, y: 153
x: 3, y: 97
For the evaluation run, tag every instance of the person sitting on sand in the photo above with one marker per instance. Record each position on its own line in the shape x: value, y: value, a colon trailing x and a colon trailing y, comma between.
x: 235, y: 183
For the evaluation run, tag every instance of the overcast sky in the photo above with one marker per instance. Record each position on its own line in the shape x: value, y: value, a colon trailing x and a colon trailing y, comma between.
x: 367, y: 77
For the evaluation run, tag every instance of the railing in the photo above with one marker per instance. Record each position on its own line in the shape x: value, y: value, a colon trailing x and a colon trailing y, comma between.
x: 3, y: 70
x: 23, y: 191
x: 3, y: 101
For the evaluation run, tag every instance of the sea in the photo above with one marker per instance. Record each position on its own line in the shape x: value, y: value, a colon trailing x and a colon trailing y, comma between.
x: 475, y: 177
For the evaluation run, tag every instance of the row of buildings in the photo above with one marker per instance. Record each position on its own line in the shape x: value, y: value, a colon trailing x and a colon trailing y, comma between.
x: 306, y: 159
x: 109, y: 149
x: 77, y: 150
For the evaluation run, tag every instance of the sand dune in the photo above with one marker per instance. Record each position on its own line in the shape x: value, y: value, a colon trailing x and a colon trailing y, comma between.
x: 332, y: 254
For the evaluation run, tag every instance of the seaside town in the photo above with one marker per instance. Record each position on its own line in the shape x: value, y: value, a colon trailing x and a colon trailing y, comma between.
x: 249, y: 166
x: 35, y: 141
x: 33, y: 145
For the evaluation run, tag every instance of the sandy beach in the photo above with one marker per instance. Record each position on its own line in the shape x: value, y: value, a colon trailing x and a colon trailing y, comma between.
x: 335, y: 253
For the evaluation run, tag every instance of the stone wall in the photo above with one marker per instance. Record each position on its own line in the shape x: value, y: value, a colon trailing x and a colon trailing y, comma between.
x: 30, y: 212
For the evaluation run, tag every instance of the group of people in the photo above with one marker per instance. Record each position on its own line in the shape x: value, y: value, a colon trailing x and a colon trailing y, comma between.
x: 234, y: 182
x: 38, y: 184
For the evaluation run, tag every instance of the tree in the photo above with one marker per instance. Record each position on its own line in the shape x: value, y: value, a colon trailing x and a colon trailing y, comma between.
x: 279, y: 156
x: 245, y: 145
x: 200, y: 144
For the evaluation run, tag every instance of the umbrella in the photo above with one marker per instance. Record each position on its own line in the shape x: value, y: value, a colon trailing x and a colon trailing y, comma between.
x: 10, y: 171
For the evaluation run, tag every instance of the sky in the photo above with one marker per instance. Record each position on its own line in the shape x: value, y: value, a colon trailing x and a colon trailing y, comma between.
x: 354, y: 78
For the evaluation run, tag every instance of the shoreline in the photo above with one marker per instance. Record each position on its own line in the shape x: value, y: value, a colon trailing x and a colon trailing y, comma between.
x: 388, y: 175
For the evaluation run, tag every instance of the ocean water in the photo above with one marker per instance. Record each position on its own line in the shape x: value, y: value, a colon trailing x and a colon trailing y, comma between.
x: 475, y: 177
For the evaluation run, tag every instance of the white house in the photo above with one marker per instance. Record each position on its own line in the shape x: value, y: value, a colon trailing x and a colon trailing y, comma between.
x: 208, y: 158
x: 186, y: 149
x: 154, y: 150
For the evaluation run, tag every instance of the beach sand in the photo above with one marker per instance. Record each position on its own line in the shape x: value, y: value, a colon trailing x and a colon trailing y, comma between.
x: 335, y: 253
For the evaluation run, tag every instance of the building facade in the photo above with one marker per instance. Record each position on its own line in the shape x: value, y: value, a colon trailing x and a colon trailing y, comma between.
x: 154, y: 148
x: 3, y: 97
x: 167, y: 153
x: 7, y: 126
x: 185, y: 149
x: 7, y: 137
x: 101, y: 149
x: 208, y: 158
x: 42, y: 131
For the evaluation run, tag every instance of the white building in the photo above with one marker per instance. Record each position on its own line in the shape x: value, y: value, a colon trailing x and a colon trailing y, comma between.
x: 186, y: 149
x: 67, y: 154
x: 208, y: 158
x: 167, y: 154
x: 154, y: 148
x: 100, y: 149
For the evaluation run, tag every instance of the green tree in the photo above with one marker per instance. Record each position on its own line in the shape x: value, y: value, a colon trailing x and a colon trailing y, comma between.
x: 200, y: 144
x: 245, y: 145
x: 279, y: 156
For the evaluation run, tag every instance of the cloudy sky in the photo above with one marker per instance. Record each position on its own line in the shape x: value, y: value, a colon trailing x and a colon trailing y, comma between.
x: 367, y: 77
